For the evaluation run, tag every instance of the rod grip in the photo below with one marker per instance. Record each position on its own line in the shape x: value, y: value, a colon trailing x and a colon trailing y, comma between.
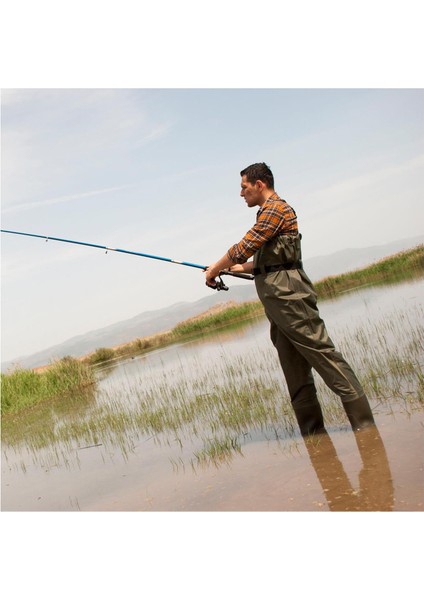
x: 239, y: 275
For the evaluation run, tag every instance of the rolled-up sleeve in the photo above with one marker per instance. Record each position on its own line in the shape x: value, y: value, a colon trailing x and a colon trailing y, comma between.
x: 276, y: 218
x: 251, y: 242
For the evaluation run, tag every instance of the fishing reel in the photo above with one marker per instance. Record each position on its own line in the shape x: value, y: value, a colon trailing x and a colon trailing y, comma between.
x: 219, y: 285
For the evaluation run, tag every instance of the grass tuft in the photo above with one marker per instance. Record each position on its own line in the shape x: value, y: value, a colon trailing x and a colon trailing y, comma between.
x: 24, y: 388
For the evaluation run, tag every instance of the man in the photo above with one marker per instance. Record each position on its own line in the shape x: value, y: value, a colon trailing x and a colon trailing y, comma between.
x: 290, y: 303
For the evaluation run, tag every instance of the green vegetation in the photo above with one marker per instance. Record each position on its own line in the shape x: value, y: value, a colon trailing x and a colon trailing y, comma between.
x: 211, y: 322
x: 141, y: 345
x: 206, y: 413
x: 136, y: 347
x: 223, y: 317
x: 392, y: 269
x: 24, y: 388
x: 102, y: 355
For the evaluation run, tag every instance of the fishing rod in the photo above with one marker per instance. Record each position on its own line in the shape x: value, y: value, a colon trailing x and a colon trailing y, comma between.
x: 220, y: 285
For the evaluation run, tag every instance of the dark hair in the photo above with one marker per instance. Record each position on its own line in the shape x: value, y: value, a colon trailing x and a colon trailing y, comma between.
x: 259, y: 171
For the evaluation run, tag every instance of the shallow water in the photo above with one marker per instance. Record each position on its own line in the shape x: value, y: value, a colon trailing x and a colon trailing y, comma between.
x: 268, y: 467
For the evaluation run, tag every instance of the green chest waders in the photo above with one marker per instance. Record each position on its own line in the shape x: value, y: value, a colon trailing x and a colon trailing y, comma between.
x: 300, y: 336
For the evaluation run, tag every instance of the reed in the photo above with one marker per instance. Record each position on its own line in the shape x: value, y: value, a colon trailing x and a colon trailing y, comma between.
x: 102, y: 355
x: 206, y: 413
x: 224, y: 317
x: 392, y: 269
x: 24, y: 388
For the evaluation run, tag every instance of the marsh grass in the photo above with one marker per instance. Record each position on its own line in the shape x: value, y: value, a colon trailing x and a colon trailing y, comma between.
x: 102, y: 355
x: 217, y: 451
x: 392, y: 269
x: 206, y: 415
x: 24, y: 388
x: 232, y: 314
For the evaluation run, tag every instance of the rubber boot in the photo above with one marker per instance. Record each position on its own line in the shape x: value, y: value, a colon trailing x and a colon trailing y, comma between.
x: 309, y: 417
x: 359, y: 413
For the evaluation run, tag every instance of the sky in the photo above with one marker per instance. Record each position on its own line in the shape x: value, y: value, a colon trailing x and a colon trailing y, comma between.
x: 111, y: 133
x: 157, y: 171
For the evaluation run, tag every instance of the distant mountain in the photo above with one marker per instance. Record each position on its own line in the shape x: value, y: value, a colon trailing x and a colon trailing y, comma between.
x: 151, y: 322
x: 143, y: 324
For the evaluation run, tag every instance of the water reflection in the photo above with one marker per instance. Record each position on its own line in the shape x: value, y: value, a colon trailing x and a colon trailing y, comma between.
x: 375, y: 480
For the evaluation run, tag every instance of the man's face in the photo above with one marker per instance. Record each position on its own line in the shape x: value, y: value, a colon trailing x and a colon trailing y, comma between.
x: 250, y: 192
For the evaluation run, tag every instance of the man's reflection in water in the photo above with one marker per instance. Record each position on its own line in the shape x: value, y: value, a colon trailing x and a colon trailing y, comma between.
x: 375, y: 480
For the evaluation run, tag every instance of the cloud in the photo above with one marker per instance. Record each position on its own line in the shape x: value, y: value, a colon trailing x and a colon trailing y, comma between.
x: 337, y: 195
x: 60, y: 199
x: 364, y: 210
x: 10, y: 97
x: 54, y: 141
x: 19, y: 267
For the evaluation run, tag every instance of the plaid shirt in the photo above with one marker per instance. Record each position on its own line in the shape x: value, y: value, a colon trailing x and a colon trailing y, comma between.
x: 275, y: 217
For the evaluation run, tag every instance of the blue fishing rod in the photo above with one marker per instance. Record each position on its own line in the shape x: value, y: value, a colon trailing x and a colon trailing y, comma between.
x: 220, y: 285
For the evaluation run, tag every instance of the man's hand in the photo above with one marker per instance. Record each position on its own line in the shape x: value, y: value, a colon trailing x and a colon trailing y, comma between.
x: 211, y: 272
x: 224, y: 265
